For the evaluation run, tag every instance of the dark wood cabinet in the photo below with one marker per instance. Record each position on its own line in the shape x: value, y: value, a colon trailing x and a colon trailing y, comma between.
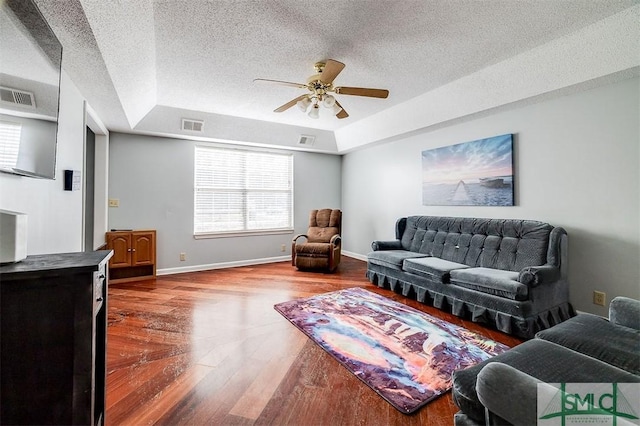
x: 53, y: 329
x: 134, y: 255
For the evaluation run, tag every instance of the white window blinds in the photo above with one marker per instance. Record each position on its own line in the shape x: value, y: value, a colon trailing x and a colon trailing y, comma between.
x: 9, y: 144
x: 242, y: 191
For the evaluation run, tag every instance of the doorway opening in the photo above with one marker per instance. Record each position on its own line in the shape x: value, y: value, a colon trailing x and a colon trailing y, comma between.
x: 89, y: 189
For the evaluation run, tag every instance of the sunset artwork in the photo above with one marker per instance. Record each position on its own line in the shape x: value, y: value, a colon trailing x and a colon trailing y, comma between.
x: 477, y: 173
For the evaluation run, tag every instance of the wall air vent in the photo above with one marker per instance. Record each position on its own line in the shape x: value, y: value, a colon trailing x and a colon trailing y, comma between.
x: 192, y: 125
x: 306, y: 140
x: 17, y: 97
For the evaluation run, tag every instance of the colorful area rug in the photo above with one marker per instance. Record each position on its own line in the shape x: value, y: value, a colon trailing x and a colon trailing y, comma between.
x: 405, y: 355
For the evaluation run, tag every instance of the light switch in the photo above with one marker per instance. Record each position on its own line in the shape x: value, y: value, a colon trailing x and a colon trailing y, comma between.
x: 114, y: 202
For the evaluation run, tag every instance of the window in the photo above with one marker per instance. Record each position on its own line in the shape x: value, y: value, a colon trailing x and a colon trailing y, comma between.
x: 242, y: 191
x: 9, y: 144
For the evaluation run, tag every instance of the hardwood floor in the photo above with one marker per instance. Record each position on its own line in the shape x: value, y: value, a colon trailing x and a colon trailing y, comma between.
x: 208, y: 348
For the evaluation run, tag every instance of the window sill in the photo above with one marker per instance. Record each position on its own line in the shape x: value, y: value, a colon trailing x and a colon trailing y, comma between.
x: 203, y: 236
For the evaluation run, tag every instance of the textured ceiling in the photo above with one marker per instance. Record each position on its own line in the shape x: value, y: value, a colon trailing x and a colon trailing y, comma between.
x: 130, y: 56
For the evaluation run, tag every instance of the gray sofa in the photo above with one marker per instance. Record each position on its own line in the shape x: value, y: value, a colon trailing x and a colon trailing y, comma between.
x: 585, y: 349
x: 508, y: 273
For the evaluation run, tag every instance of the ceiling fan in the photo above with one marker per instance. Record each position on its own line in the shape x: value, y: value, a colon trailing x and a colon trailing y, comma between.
x: 320, y: 86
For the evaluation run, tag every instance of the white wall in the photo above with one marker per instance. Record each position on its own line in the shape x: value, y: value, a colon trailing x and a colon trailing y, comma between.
x: 577, y: 160
x: 54, y: 216
x: 605, y: 49
x: 224, y: 128
x: 152, y: 177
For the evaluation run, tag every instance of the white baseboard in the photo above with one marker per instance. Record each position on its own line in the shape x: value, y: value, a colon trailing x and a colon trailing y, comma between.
x: 248, y: 262
x: 222, y: 265
x: 355, y: 255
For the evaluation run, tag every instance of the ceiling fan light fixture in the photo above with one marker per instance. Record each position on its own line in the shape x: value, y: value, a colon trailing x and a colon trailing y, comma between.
x: 329, y: 101
x: 314, y: 112
x: 321, y: 88
x: 303, y: 104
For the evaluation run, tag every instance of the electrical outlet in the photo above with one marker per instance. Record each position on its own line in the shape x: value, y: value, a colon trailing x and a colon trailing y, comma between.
x: 283, y: 248
x: 183, y: 257
x: 599, y: 298
x: 114, y: 202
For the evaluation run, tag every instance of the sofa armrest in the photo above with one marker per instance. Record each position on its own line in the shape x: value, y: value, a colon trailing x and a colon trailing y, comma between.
x: 509, y: 395
x: 336, y: 240
x: 625, y: 311
x: 533, y: 276
x: 386, y: 245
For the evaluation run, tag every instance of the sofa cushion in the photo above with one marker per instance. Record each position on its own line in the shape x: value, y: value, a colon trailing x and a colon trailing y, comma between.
x: 597, y: 337
x: 543, y: 360
x: 492, y: 281
x: 432, y: 267
x: 391, y: 258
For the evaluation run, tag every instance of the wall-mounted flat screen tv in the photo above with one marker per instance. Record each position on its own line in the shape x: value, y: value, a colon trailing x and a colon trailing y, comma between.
x: 29, y: 90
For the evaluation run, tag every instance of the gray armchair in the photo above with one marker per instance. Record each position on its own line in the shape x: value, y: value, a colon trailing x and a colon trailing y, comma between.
x: 569, y: 352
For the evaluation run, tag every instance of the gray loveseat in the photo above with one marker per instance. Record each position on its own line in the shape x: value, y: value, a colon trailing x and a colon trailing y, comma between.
x: 585, y: 349
x: 508, y: 273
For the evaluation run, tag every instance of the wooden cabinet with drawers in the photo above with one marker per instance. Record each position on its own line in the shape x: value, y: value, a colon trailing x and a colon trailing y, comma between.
x: 134, y: 255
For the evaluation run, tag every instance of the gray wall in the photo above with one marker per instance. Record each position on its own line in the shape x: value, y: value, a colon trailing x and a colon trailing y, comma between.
x: 153, y: 179
x: 577, y: 162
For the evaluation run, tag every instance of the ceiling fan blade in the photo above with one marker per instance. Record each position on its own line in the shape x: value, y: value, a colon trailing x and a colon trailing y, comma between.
x: 289, y: 104
x: 362, y: 91
x: 284, y: 83
x: 331, y: 70
x: 342, y: 113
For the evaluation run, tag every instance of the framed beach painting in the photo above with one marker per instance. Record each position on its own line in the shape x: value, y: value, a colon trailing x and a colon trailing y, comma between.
x: 476, y: 173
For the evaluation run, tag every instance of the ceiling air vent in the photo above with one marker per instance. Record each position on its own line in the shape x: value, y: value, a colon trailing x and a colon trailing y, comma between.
x: 17, y: 97
x: 192, y: 125
x: 306, y: 140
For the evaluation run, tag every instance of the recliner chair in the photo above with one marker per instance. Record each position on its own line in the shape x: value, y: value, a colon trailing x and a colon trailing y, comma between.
x: 322, y: 249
